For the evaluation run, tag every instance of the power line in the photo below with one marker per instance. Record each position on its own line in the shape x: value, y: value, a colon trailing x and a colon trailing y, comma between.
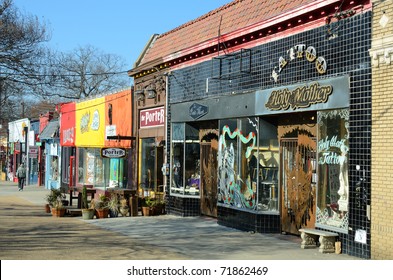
x: 62, y: 75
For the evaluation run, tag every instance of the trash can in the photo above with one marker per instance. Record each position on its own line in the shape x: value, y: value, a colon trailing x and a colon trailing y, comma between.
x: 134, y: 205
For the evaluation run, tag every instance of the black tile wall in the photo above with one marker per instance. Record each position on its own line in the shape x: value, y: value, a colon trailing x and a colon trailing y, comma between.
x: 347, y: 54
x: 248, y: 221
x: 184, y: 206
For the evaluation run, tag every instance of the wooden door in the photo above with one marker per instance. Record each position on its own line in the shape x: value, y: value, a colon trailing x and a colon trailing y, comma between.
x: 298, y: 195
x: 208, y: 184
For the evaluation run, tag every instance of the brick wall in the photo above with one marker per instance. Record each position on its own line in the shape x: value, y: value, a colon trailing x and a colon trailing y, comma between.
x: 382, y: 133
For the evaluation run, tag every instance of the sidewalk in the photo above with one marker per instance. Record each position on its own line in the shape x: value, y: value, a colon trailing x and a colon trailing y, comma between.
x: 27, y: 232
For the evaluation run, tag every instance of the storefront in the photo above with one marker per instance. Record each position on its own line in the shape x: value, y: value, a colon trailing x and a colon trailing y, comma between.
x: 32, y: 176
x: 102, y: 123
x: 276, y: 137
x: 52, y: 154
x: 151, y: 151
x: 18, y: 131
x: 67, y: 143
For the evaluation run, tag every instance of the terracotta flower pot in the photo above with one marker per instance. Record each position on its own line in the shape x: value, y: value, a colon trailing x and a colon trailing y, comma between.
x: 47, y: 208
x: 147, y: 211
x: 102, y: 213
x: 58, y: 212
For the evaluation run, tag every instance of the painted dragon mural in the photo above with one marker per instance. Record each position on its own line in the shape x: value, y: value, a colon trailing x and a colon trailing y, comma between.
x: 234, y: 190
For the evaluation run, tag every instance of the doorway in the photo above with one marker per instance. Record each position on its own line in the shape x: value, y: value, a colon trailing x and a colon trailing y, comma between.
x: 208, y: 183
x: 209, y: 180
x: 298, y: 163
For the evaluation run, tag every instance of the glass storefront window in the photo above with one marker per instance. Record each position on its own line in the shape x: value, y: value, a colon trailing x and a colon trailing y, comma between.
x: 150, y: 174
x: 268, y: 167
x: 192, y: 169
x: 185, y: 162
x: 177, y: 160
x: 92, y: 169
x: 332, y: 204
x: 237, y: 141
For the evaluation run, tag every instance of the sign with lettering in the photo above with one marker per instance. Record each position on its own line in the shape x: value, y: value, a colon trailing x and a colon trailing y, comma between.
x: 300, y: 97
x: 152, y: 117
x: 299, y: 52
x: 113, y: 152
x: 324, y: 94
x: 67, y: 124
x: 197, y: 111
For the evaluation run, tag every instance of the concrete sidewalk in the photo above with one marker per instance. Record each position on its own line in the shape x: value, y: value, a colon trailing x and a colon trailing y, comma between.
x: 27, y: 232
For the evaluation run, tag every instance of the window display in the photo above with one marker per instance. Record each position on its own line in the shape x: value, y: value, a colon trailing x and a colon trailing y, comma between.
x: 248, y: 172
x: 92, y: 169
x: 238, y: 139
x: 185, y: 160
x: 332, y: 206
x: 150, y: 174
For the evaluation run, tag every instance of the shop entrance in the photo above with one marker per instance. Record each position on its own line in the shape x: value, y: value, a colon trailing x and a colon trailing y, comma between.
x: 298, y: 177
x: 208, y: 184
x: 150, y: 174
x: 209, y: 180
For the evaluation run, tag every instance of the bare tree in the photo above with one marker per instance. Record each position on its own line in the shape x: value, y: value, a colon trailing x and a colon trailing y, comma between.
x: 85, y: 72
x: 22, y: 55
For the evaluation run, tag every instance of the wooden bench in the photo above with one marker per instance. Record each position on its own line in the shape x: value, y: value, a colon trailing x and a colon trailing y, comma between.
x: 326, y: 239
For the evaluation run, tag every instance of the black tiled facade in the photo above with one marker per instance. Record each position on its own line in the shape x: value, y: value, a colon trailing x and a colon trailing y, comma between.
x: 346, y: 54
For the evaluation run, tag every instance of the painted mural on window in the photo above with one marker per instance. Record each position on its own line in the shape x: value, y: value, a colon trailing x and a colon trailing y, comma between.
x: 238, y: 138
x: 332, y: 206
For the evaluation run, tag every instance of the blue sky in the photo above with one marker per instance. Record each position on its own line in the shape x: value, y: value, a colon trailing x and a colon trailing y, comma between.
x: 121, y: 27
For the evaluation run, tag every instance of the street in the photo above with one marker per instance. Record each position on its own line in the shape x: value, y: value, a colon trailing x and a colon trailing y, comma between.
x: 28, y: 233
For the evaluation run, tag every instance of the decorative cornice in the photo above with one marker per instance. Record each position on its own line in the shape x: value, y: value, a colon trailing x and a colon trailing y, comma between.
x: 382, y: 51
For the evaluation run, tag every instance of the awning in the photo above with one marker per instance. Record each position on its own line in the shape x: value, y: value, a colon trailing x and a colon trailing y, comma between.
x: 50, y: 131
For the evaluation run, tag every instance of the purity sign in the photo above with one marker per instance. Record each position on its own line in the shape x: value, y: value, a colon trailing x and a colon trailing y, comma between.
x: 113, y: 152
x: 152, y: 117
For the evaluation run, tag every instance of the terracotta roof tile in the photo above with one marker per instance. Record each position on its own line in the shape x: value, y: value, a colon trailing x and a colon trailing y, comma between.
x: 233, y: 16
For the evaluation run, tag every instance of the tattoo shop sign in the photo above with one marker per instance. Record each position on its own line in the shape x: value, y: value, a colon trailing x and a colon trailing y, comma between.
x: 317, y: 95
x: 300, y: 97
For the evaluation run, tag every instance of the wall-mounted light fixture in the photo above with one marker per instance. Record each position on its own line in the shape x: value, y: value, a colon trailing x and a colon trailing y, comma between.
x: 140, y: 95
x: 151, y: 93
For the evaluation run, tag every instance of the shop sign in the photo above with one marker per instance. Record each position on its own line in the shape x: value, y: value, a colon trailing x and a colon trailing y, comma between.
x: 197, y: 111
x: 68, y: 135
x: 113, y: 152
x: 299, y: 52
x: 152, y: 117
x: 301, y: 97
x: 33, y: 152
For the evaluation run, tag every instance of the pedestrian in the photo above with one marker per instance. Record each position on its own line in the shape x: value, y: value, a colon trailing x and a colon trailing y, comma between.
x: 21, y: 174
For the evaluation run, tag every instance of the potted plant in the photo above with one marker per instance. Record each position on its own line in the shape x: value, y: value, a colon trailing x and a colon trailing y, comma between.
x: 54, y: 199
x: 113, y: 205
x: 87, y: 213
x: 101, y: 207
x: 159, y: 208
x: 124, y: 209
x: 147, y: 206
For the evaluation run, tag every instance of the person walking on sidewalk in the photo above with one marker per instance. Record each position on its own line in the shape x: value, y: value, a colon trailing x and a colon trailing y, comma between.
x: 21, y: 174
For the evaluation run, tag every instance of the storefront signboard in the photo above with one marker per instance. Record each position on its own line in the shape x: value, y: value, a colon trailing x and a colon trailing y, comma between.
x: 316, y: 95
x: 118, y: 119
x: 300, y: 51
x: 17, y: 131
x: 67, y: 124
x: 33, y: 152
x: 152, y: 117
x: 90, y: 123
x: 113, y: 152
x: 197, y: 111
